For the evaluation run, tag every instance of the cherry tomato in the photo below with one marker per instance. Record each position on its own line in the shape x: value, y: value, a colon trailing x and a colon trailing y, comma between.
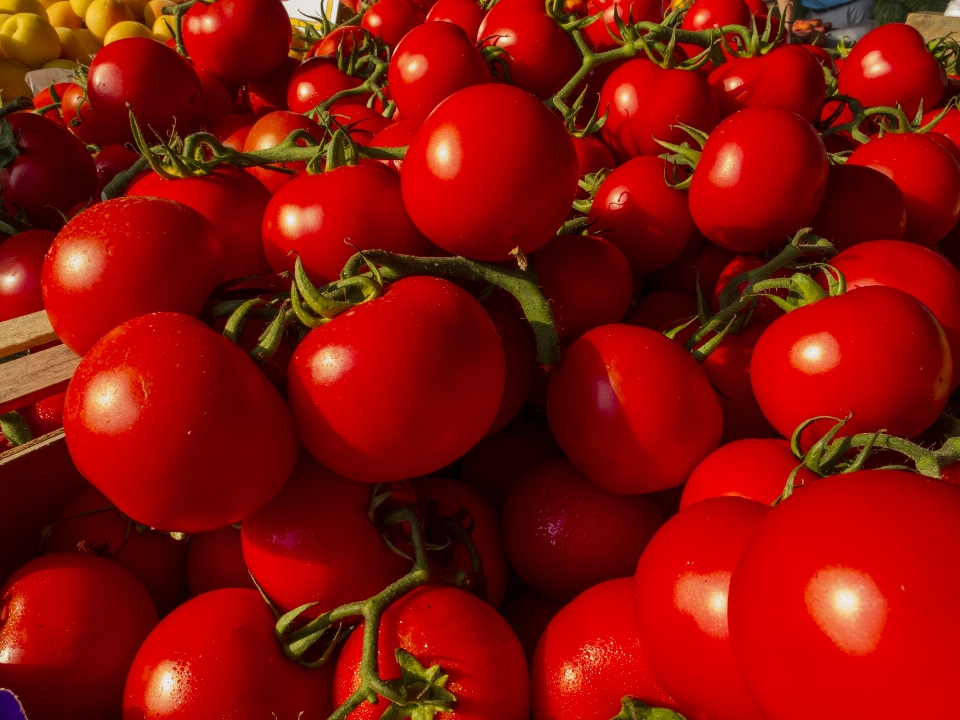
x: 701, y: 262
x: 466, y: 13
x: 269, y: 93
x: 390, y: 20
x: 215, y: 561
x: 765, y: 310
x: 342, y: 39
x: 82, y: 120
x: 46, y: 415
x: 395, y: 135
x: 604, y: 34
x: 317, y: 80
x: 271, y: 130
x: 43, y: 98
x: 21, y: 259
x: 496, y: 463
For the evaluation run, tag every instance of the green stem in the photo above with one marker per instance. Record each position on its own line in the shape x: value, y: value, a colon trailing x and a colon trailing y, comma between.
x: 178, y: 11
x: 118, y: 186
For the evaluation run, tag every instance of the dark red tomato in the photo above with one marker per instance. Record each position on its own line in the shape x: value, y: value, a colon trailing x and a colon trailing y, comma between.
x: 528, y: 616
x: 444, y: 367
x: 927, y: 175
x: 111, y: 161
x: 342, y: 40
x: 43, y: 98
x: 702, y: 262
x: 599, y: 401
x: 645, y: 104
x: 271, y: 130
x: 637, y: 211
x: 215, y: 561
x: 541, y: 57
x: 891, y: 65
x: 123, y: 258
x: 681, y: 588
x: 563, y: 534
x: 316, y: 81
x: 52, y: 173
x: 765, y: 311
x: 459, y: 632
x: 232, y: 201
x: 227, y: 126
x: 589, y: 657
x: 604, y: 34
x: 759, y: 82
x: 82, y: 120
x: 860, y: 204
x: 663, y: 310
x: 742, y: 202
x: 875, y: 352
x: 497, y: 462
x: 304, y: 545
x: 824, y: 59
x: 465, y: 13
x: 216, y: 656
x: 705, y: 14
x: 433, y: 61
x: 592, y: 156
x: 123, y: 79
x: 949, y: 125
x: 519, y: 356
x: 90, y: 524
x: 44, y: 415
x: 237, y: 41
x: 313, y: 214
x: 390, y: 20
x: 153, y: 416
x: 361, y: 122
x: 755, y: 469
x: 587, y: 281
x: 70, y: 625
x: 446, y: 173
x: 868, y: 580
x: 21, y: 260
x: 395, y: 135
x: 217, y: 102
x: 269, y: 92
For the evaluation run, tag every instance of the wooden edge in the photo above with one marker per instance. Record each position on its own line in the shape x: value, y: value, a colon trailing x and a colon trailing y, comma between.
x: 25, y: 332
x: 35, y: 376
x: 933, y: 25
x: 19, y: 451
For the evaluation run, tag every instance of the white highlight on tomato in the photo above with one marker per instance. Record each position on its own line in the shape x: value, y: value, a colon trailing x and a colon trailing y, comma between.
x: 444, y: 157
x: 703, y: 596
x: 815, y: 354
x: 848, y: 607
x: 413, y: 67
x: 874, y: 65
x: 725, y: 172
x: 112, y: 402
x: 331, y: 364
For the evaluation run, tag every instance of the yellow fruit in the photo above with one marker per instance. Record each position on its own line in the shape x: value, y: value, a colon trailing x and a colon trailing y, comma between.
x: 61, y: 14
x: 29, y: 39
x: 154, y: 9
x: 80, y: 6
x: 136, y: 7
x: 162, y: 28
x: 12, y: 7
x: 103, y: 15
x: 127, y: 29
x: 12, y: 83
x: 62, y: 64
x: 48, y: 3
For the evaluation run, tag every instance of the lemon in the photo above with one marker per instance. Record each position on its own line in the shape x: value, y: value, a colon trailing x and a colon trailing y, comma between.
x: 29, y: 39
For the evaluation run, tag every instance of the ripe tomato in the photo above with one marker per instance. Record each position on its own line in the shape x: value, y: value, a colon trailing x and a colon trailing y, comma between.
x: 604, y: 33
x: 390, y: 20
x: 496, y: 463
x: 82, y: 120
x: 112, y: 160
x: 44, y: 98
x: 271, y: 130
x: 592, y: 156
x: 152, y: 418
x: 519, y: 356
x: 343, y: 39
x: 446, y: 173
x: 765, y: 311
x: 599, y: 401
x: 701, y: 262
x: 70, y: 625
x: 528, y: 615
x: 395, y: 135
x: 215, y: 561
x: 269, y: 93
x: 21, y: 260
x: 216, y: 656
x: 317, y: 80
x: 663, y: 310
x: 466, y: 13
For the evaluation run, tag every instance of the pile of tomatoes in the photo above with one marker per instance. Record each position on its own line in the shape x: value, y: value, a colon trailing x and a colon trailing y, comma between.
x: 472, y: 360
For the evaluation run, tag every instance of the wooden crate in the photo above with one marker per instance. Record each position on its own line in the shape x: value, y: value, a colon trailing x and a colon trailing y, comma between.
x: 933, y: 25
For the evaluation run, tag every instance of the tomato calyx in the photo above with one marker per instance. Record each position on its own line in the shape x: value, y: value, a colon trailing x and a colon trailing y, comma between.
x: 635, y: 709
x: 884, y: 119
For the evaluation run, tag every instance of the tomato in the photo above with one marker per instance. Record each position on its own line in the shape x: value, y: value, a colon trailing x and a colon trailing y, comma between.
x: 228, y: 126
x: 564, y: 534
x: 444, y: 367
x: 701, y: 262
x: 599, y: 405
x: 216, y: 103
x: 268, y: 93
x: 680, y: 591
x: 232, y: 201
x: 21, y: 259
x: 496, y: 463
x: 361, y: 122
x: 586, y: 279
x: 541, y: 57
x: 927, y: 175
x: 44, y: 98
x: 111, y: 161
x: 875, y: 352
x: 465, y: 13
x: 706, y: 14
x: 949, y: 124
x: 446, y: 173
x: 738, y: 200
x: 462, y: 634
x: 390, y: 20
x: 216, y: 655
x: 70, y: 625
x: 317, y: 80
x: 115, y: 261
x: 868, y: 581
x: 395, y: 135
x: 152, y: 418
x: 122, y: 80
x: 645, y: 103
x: 592, y: 156
x: 52, y: 173
x: 663, y: 310
x: 590, y: 656
x: 271, y: 130
x: 237, y: 41
x: 519, y: 356
x: 528, y: 615
x: 891, y: 65
x: 643, y: 216
x: 342, y: 39
x: 765, y: 310
x: 46, y: 415
x: 604, y: 34
x: 215, y: 561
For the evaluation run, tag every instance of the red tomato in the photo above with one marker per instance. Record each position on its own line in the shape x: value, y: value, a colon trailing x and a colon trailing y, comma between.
x: 227, y: 126
x: 496, y: 463
x: 271, y: 130
x: 949, y: 125
x: 466, y: 13
x: 46, y: 415
x: 462, y: 634
x: 361, y: 122
x: 21, y: 260
x: 765, y: 310
x: 43, y: 98
x: 390, y: 20
x: 446, y: 173
x: 216, y: 103
x: 152, y: 418
x: 592, y: 156
x: 519, y: 356
x: 216, y: 656
x: 215, y: 561
x: 599, y: 403
x: 395, y: 135
x: 663, y: 310
x: 82, y: 120
x: 528, y: 615
x: 681, y: 588
x: 868, y: 579
x: 706, y: 14
x: 111, y: 161
x: 317, y: 80
x: 701, y: 262
x: 71, y: 626
x: 342, y: 39
x: 115, y: 261
x: 564, y: 534
x: 604, y: 34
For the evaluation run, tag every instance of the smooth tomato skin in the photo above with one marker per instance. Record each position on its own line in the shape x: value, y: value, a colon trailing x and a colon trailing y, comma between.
x: 395, y: 135
x: 598, y: 405
x: 216, y: 656
x: 860, y: 204
x: 237, y: 41
x: 449, y: 627
x: 891, y: 65
x: 927, y: 175
x: 232, y: 201
x: 115, y: 261
x: 21, y: 261
x: 705, y: 14
x: 342, y: 39
x: 446, y: 173
x: 153, y: 415
x: 949, y: 124
x: 71, y: 626
x: 592, y: 156
x: 217, y: 102
x: 875, y: 352
x: 81, y: 119
x: 436, y: 349
x: 466, y: 13
x: 44, y: 98
x: 528, y: 615
x: 496, y: 463
x: 590, y: 656
x: 317, y: 80
x: 268, y: 93
x: 645, y: 103
x: 304, y: 545
x: 680, y: 590
x: 271, y: 130
x: 215, y: 561
x: 519, y: 356
x: 563, y: 534
x: 390, y: 20
x: 868, y: 581
x: 753, y: 468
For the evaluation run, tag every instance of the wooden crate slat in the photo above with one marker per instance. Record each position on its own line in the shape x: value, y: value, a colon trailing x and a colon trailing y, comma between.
x: 25, y: 332
x: 30, y: 378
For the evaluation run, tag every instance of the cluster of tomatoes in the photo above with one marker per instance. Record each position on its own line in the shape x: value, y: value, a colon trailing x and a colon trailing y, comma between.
x: 588, y: 358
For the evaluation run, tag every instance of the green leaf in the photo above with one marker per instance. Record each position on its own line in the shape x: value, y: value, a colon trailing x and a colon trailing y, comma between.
x: 8, y: 144
x: 423, y: 690
x: 15, y: 428
x: 634, y: 709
